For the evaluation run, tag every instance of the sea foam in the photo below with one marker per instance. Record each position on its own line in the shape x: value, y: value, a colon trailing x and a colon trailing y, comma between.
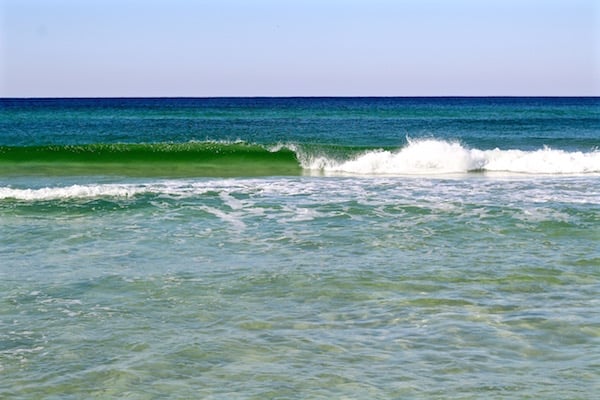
x: 432, y: 156
x: 73, y: 191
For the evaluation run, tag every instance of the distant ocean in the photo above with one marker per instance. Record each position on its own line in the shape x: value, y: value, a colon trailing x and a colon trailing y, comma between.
x: 292, y: 248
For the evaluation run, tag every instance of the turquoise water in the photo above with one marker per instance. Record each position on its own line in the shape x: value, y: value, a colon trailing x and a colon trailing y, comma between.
x: 300, y: 248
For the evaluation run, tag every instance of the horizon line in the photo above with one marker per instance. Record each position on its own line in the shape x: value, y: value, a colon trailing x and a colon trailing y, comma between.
x: 297, y: 97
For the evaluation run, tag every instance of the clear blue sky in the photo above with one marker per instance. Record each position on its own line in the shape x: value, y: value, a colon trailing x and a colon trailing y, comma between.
x: 299, y: 47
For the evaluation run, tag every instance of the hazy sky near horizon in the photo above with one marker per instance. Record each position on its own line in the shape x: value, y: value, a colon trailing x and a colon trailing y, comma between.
x: 64, y: 48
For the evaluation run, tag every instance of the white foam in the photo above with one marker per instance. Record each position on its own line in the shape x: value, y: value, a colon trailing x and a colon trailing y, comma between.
x: 73, y: 191
x: 544, y: 161
x: 431, y: 156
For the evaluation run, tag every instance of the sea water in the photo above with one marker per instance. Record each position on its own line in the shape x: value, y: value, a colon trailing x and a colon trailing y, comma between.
x: 300, y: 248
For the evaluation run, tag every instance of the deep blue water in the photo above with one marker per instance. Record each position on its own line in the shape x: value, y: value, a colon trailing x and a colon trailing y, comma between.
x: 525, y: 123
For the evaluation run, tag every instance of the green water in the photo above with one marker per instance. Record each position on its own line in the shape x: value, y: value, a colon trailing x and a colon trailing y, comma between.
x: 164, y: 159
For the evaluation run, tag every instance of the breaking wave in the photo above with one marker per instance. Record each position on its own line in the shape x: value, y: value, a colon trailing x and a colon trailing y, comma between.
x: 431, y: 156
x: 239, y: 159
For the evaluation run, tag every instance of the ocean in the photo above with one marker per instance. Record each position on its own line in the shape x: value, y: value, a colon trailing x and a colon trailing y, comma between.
x: 300, y: 248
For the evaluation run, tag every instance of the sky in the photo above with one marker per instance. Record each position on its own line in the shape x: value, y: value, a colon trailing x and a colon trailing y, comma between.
x: 212, y: 48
